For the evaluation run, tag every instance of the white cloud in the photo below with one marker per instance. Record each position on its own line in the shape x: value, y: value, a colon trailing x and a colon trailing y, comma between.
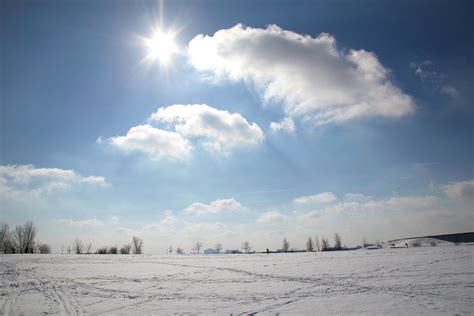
x: 26, y: 179
x: 154, y: 142
x: 169, y: 220
x: 313, y: 79
x: 356, y: 197
x: 285, y: 125
x: 404, y: 203
x: 99, y: 181
x: 79, y: 223
x: 214, y: 207
x: 154, y: 227
x: 114, y: 219
x: 218, y: 130
x: 204, y: 227
x: 26, y: 173
x: 185, y: 125
x: 271, y: 216
x: 463, y: 189
x: 324, y: 197
x: 88, y: 222
x: 394, y: 204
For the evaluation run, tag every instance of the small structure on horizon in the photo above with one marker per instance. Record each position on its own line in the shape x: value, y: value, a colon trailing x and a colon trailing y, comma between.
x: 210, y: 251
x: 372, y: 247
x: 230, y: 251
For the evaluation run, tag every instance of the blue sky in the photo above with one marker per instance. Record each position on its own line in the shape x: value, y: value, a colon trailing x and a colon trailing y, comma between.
x: 269, y: 120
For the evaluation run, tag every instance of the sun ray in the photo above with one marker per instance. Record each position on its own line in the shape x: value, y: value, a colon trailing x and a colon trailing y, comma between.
x: 161, y: 46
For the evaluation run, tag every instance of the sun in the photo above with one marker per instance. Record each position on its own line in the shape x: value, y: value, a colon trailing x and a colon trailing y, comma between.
x: 161, y: 46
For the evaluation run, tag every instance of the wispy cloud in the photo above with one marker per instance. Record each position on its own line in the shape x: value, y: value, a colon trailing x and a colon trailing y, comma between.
x: 393, y: 204
x: 285, y: 125
x: 169, y: 220
x: 265, y: 191
x: 437, y: 80
x: 356, y: 197
x: 271, y: 217
x: 204, y: 227
x: 16, y: 180
x: 89, y: 222
x: 462, y: 189
x: 214, y: 207
x: 79, y: 223
x: 325, y: 197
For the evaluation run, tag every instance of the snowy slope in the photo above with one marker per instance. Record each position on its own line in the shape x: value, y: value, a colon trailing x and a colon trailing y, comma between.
x: 429, y: 280
x: 418, y: 242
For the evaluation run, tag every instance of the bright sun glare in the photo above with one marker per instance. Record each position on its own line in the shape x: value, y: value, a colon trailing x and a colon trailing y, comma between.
x: 161, y: 46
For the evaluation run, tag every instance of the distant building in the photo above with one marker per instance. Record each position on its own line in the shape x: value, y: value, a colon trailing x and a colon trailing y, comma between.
x: 228, y: 251
x: 210, y: 251
x: 371, y: 247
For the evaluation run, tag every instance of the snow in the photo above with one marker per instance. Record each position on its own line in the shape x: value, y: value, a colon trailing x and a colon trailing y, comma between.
x: 423, y: 281
x: 419, y: 242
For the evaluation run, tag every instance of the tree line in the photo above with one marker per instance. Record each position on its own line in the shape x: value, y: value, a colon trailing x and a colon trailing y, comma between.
x: 310, y: 246
x: 79, y: 248
x: 316, y: 245
x: 22, y: 239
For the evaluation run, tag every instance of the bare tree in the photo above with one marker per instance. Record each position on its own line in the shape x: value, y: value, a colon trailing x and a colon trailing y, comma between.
x: 19, y: 239
x: 309, y: 245
x: 113, y: 250
x: 324, y: 244
x: 78, y: 247
x: 88, y: 248
x: 246, y: 247
x: 5, y: 238
x: 24, y: 237
x: 102, y: 251
x: 69, y: 250
x: 317, y: 244
x: 30, y: 235
x: 170, y: 250
x: 285, y: 245
x: 125, y: 250
x: 137, y: 245
x: 364, y: 242
x: 197, y: 246
x: 218, y: 247
x: 337, y: 241
x: 44, y: 248
x: 179, y: 251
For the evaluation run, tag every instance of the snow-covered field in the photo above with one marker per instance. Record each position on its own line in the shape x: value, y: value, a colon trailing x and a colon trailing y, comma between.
x: 430, y: 280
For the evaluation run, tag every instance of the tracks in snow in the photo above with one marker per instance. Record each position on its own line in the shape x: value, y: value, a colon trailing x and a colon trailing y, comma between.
x: 29, y: 281
x: 198, y: 285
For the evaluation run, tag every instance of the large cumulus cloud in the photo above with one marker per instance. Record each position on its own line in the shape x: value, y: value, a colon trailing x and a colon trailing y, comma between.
x: 310, y: 76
